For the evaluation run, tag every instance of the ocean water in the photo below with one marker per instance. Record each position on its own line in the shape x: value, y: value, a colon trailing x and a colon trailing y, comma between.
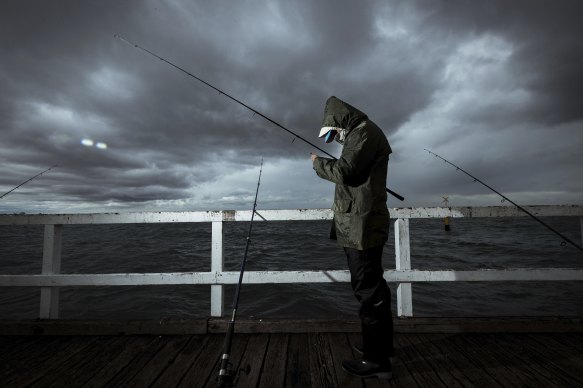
x: 304, y: 245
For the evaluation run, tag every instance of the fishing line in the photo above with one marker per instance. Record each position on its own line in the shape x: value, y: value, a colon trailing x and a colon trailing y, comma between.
x: 226, y: 374
x: 237, y: 101
x: 505, y: 198
x: 25, y: 182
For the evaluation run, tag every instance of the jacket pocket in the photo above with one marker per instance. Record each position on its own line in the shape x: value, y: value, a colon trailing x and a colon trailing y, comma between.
x: 342, y: 206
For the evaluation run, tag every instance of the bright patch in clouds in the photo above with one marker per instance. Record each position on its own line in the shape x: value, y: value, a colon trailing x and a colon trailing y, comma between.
x: 91, y: 143
x: 111, y: 83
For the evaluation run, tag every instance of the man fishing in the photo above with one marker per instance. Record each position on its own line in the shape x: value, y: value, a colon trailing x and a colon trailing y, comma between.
x: 361, y: 226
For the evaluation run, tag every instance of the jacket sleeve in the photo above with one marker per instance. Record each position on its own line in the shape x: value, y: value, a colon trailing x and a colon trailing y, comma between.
x: 351, y: 168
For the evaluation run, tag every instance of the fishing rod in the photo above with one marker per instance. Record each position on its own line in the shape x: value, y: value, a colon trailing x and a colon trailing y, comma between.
x: 237, y: 101
x: 505, y: 198
x: 25, y: 182
x: 226, y: 374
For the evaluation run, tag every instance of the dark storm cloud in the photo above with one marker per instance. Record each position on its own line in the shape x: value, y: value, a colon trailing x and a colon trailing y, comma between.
x: 438, y: 74
x: 548, y: 52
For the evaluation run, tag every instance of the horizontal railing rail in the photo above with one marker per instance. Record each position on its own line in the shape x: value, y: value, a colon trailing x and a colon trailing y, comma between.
x: 50, y: 280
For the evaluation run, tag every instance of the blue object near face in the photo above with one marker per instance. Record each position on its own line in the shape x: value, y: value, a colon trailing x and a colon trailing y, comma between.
x: 330, y: 136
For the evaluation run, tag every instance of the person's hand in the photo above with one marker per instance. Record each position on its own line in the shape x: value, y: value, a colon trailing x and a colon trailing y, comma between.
x: 313, y: 157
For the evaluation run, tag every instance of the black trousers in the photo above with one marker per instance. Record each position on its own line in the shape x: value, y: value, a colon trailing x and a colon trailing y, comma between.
x: 374, y: 296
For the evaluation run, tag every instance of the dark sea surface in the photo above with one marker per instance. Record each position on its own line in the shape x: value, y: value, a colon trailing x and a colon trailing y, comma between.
x: 300, y: 245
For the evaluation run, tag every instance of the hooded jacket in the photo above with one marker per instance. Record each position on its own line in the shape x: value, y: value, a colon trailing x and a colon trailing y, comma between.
x: 361, y: 216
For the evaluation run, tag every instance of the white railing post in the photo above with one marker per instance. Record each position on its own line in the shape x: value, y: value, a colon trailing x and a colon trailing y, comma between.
x: 49, y: 296
x: 403, y: 261
x: 217, y: 295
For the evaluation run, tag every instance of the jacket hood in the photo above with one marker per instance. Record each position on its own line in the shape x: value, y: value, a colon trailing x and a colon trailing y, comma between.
x: 339, y: 114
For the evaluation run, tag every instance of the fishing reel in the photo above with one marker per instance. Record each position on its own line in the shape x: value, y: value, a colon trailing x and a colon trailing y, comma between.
x: 228, y: 377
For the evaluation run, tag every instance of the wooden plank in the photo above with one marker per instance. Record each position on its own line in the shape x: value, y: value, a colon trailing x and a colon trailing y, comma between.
x: 442, y: 360
x: 403, y: 262
x: 486, y: 211
x: 17, y: 361
x: 38, y: 352
x: 217, y: 265
x: 282, y: 215
x: 137, y: 364
x: 441, y: 365
x: 172, y: 375
x: 287, y: 326
x: 248, y: 325
x: 253, y: 358
x: 83, y: 372
x: 421, y: 370
x: 14, y: 348
x: 474, y: 356
x: 488, y: 324
x: 456, y: 362
x: 566, y: 360
x: 520, y: 361
x: 483, y: 360
x: 27, y: 372
x: 288, y: 277
x: 570, y: 340
x: 104, y: 327
x: 297, y: 373
x: 159, y: 362
x: 341, y: 350
x: 134, y: 345
x: 205, y: 364
x: 497, y: 363
x: 273, y: 372
x: 322, y: 368
x: 573, y: 353
x: 76, y: 369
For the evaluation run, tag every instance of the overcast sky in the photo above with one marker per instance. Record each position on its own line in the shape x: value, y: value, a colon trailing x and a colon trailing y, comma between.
x: 493, y: 86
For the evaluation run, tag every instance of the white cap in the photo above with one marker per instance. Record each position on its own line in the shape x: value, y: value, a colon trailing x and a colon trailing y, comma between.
x: 325, y: 130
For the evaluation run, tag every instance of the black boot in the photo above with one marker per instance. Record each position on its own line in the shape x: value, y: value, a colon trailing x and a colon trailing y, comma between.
x: 365, y: 369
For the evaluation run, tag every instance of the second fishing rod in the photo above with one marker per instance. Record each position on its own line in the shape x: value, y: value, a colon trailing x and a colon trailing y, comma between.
x: 226, y: 373
x: 400, y: 197
x: 505, y: 198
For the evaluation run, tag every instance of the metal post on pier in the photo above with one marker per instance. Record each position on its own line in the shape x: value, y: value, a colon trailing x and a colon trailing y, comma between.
x: 217, y: 261
x: 403, y: 261
x: 446, y: 219
x: 49, y: 296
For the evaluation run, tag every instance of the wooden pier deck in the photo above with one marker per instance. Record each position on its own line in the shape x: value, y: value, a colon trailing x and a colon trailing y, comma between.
x: 291, y: 360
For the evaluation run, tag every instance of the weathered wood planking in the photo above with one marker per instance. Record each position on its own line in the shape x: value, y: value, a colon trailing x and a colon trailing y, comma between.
x: 117, y: 362
x: 292, y: 360
x: 205, y: 364
x: 249, y: 325
x: 273, y: 372
x: 297, y: 373
x: 46, y: 358
x: 159, y: 362
x: 184, y: 360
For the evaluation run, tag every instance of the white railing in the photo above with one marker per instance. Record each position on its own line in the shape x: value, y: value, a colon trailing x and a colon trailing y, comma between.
x: 50, y: 279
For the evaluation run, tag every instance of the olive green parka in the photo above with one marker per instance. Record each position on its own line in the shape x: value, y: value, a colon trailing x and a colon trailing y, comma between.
x: 361, y: 216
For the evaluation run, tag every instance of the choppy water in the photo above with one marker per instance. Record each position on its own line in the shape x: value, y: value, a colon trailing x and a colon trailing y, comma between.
x: 471, y: 244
